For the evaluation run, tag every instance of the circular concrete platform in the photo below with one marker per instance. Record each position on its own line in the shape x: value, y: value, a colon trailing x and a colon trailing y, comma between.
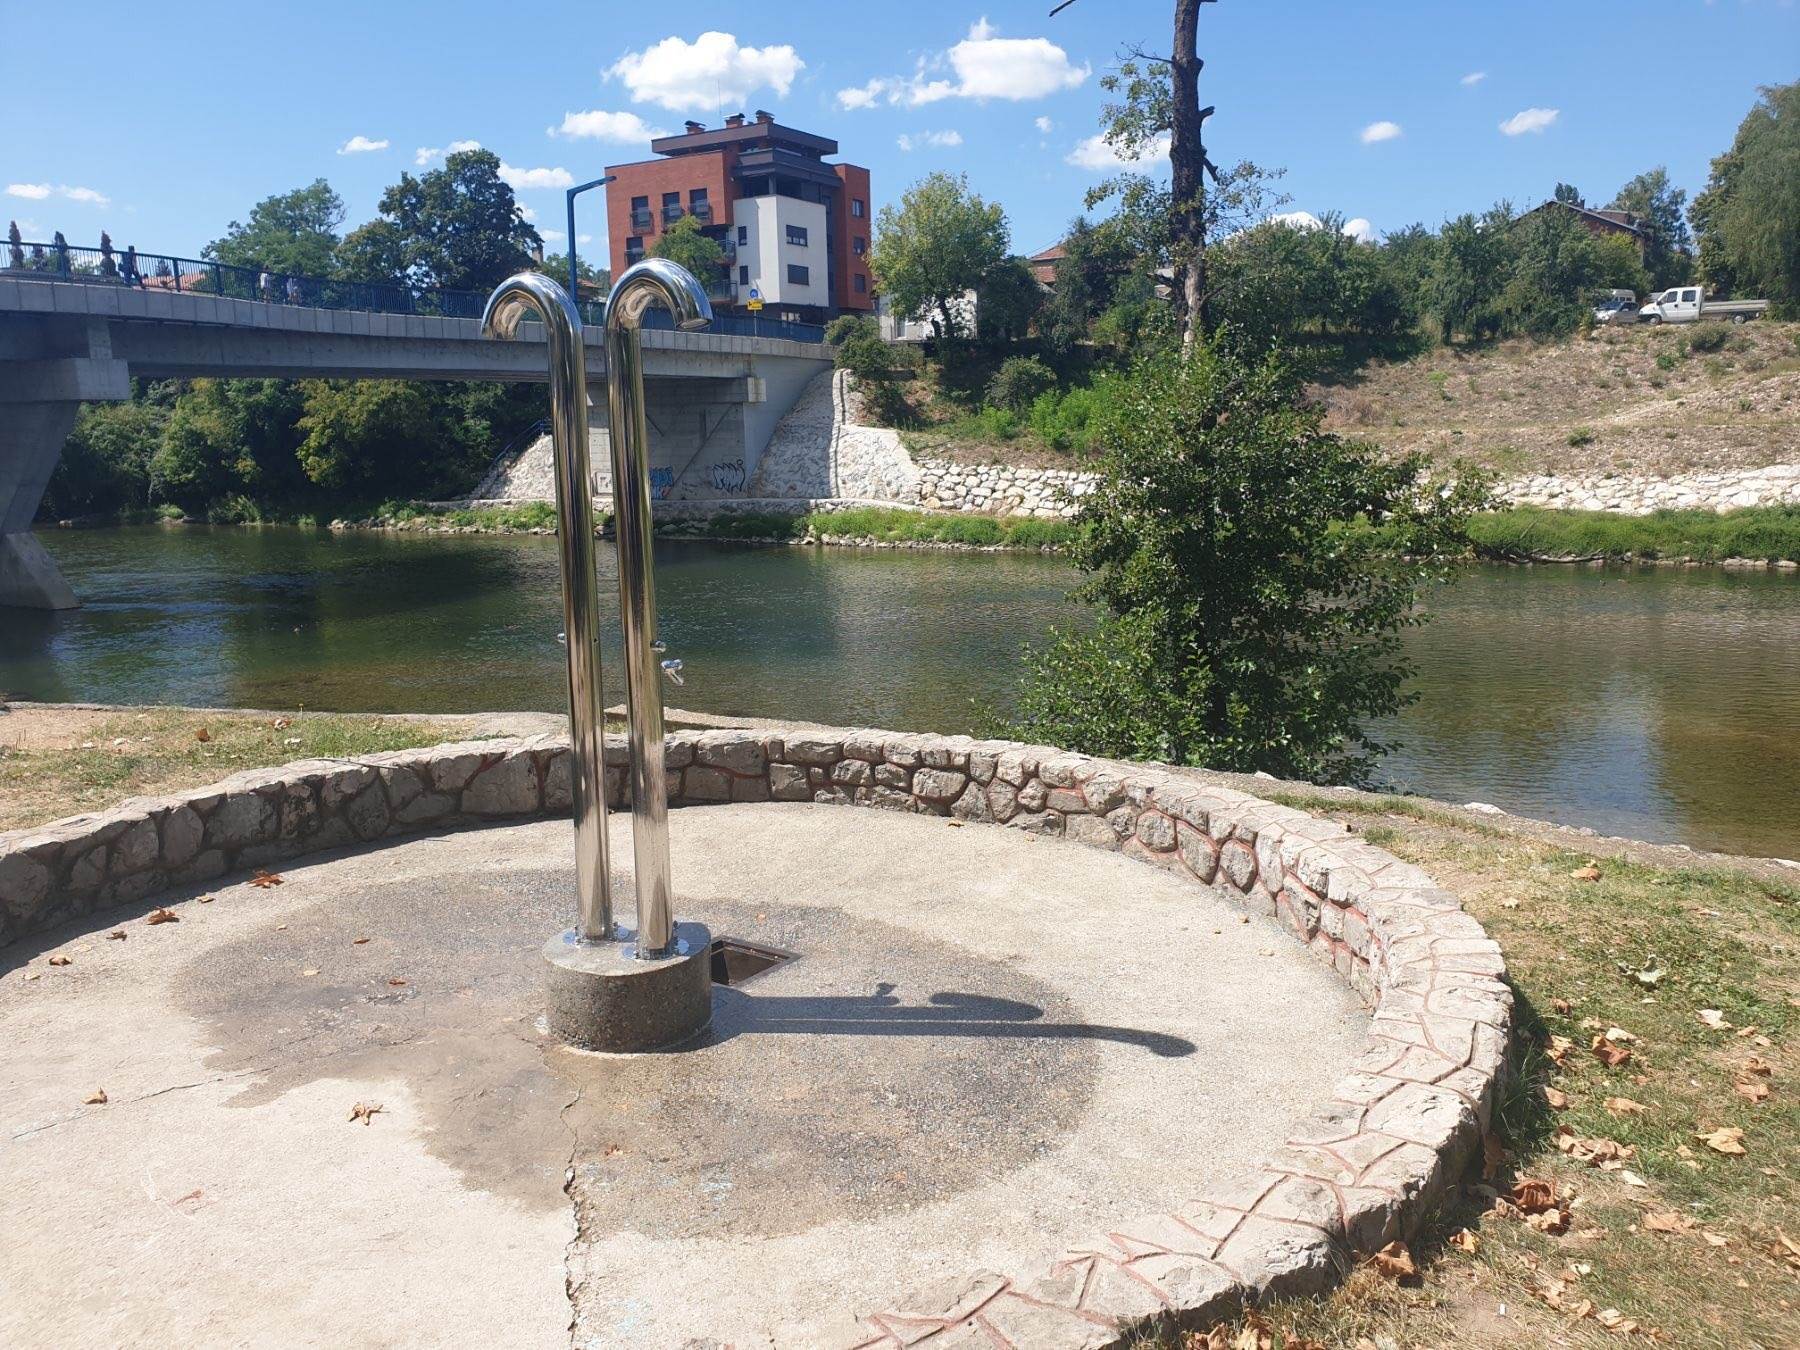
x: 989, y: 1044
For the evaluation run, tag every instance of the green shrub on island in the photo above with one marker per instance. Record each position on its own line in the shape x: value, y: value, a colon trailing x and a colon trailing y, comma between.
x: 1019, y: 382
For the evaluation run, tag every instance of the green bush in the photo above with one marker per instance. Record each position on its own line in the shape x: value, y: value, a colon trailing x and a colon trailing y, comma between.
x: 997, y: 424
x: 1062, y: 421
x: 1018, y: 383
x: 1583, y: 436
x: 847, y: 326
x: 1667, y: 360
x: 1709, y: 337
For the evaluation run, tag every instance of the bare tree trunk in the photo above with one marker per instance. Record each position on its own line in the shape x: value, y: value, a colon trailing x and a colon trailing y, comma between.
x: 1187, y: 161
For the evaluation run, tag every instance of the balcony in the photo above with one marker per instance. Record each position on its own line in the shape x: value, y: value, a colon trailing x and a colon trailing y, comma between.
x: 634, y: 255
x: 642, y: 219
x: 701, y: 210
x: 672, y: 213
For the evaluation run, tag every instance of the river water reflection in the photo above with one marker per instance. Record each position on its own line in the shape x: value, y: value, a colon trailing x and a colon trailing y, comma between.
x: 1660, y: 703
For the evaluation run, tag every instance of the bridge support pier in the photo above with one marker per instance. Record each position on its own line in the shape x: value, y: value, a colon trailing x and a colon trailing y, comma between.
x: 31, y: 439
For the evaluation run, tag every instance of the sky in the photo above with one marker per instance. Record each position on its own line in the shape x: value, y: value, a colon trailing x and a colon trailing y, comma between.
x: 163, y: 131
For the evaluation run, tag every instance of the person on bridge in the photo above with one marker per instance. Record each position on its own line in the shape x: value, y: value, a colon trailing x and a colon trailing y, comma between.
x: 293, y: 290
x: 266, y: 285
x: 128, y: 268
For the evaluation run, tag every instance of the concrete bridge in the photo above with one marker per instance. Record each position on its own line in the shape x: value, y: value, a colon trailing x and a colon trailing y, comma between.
x: 713, y: 399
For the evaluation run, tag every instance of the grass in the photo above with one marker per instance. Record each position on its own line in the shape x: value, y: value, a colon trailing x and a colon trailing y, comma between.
x: 1645, y: 948
x: 521, y: 516
x: 159, y: 750
x: 1769, y: 533
x: 890, y: 525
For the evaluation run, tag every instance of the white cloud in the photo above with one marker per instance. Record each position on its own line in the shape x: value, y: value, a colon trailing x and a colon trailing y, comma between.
x: 517, y: 178
x: 526, y: 214
x: 36, y: 192
x: 427, y: 154
x: 1011, y: 68
x: 584, y: 239
x: 626, y: 128
x: 1473, y: 78
x: 361, y: 145
x: 930, y: 140
x: 862, y: 95
x: 985, y: 67
x: 702, y: 74
x: 1044, y: 124
x: 1296, y: 220
x: 1360, y: 230
x: 1377, y: 132
x: 1532, y: 119
x: 1095, y: 153
x: 551, y: 236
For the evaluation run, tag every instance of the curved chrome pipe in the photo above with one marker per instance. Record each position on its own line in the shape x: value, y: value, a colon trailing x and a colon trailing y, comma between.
x: 511, y: 300
x: 645, y: 284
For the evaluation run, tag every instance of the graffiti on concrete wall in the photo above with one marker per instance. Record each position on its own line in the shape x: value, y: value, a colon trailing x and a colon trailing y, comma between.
x: 662, y: 483
x: 726, y: 475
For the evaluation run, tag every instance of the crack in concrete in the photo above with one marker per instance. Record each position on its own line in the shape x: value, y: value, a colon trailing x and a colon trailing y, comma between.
x: 133, y: 1101
x: 572, y: 1285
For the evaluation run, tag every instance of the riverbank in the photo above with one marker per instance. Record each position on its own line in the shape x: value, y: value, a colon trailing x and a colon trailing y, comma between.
x: 1642, y: 1171
x: 1750, y: 537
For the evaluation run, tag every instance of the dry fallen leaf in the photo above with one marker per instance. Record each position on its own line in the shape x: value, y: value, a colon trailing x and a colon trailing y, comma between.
x: 1493, y: 1155
x: 60, y: 961
x: 1624, y: 1106
x: 364, y: 1112
x: 203, y: 735
x: 1614, y: 1320
x: 96, y: 1098
x: 265, y: 879
x: 1588, y: 873
x: 1726, y: 1139
x: 280, y: 724
x: 1395, y: 1262
x: 206, y: 899
x: 357, y: 942
x: 1533, y: 1196
x: 1562, y: 1006
x: 1555, y: 1099
x: 162, y: 915
x: 1759, y: 1066
x: 1715, y: 1239
x: 1666, y: 1221
x: 1465, y: 1241
x: 1750, y: 1090
x: 1559, y: 1049
x: 397, y: 982
x: 1714, y: 1019
x: 1552, y: 1221
x: 117, y: 935
x: 1609, y: 1054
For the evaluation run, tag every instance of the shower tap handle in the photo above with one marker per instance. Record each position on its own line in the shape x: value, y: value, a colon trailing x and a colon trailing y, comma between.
x: 672, y: 669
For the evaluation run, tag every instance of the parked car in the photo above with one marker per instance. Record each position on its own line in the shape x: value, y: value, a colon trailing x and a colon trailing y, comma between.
x: 1688, y: 304
x: 1616, y: 307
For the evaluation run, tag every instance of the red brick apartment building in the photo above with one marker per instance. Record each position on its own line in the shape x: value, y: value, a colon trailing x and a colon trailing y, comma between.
x: 794, y: 228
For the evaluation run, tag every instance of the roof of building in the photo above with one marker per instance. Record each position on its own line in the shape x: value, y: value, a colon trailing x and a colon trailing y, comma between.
x: 739, y: 131
x: 1623, y: 220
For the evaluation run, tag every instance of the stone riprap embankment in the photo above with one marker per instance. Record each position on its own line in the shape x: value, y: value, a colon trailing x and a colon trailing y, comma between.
x: 1367, y: 1166
x: 820, y: 457
x: 1726, y: 490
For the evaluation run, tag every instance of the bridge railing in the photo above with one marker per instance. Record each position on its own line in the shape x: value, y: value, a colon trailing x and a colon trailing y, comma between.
x: 202, y: 276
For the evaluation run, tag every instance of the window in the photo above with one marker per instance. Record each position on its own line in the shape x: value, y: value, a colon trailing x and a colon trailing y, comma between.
x: 698, y: 204
x: 634, y: 248
x: 859, y: 246
x: 743, y: 276
x: 671, y: 206
x: 856, y: 207
x: 743, y: 234
x: 640, y: 212
x: 860, y: 284
x: 1688, y: 297
x: 796, y: 235
x: 798, y: 275
x: 671, y: 199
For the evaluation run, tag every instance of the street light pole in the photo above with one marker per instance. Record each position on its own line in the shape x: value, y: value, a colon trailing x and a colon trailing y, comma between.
x: 572, y: 194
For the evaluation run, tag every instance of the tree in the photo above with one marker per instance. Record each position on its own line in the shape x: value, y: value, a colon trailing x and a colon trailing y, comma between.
x: 373, y: 438
x: 458, y: 226
x: 686, y: 243
x: 105, y: 462
x: 1748, y: 218
x: 1096, y: 258
x: 1660, y: 206
x: 15, y: 254
x: 1255, y: 574
x: 1556, y: 268
x: 1569, y: 195
x: 937, y: 246
x: 1468, y: 271
x: 1006, y: 302
x: 1167, y: 102
x: 556, y: 267
x: 376, y: 252
x: 291, y: 232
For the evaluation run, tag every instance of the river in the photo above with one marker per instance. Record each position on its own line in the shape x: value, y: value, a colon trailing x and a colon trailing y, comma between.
x: 1659, y: 703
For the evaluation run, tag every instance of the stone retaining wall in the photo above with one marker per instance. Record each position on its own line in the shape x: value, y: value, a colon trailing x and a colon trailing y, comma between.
x: 1364, y: 1168
x: 1727, y: 490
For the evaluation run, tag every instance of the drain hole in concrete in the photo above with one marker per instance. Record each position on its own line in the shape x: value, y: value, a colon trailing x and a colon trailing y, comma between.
x: 734, y: 961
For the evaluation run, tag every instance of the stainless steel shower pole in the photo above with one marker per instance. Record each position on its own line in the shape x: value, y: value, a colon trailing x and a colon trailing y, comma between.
x: 653, y: 280
x: 581, y: 608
